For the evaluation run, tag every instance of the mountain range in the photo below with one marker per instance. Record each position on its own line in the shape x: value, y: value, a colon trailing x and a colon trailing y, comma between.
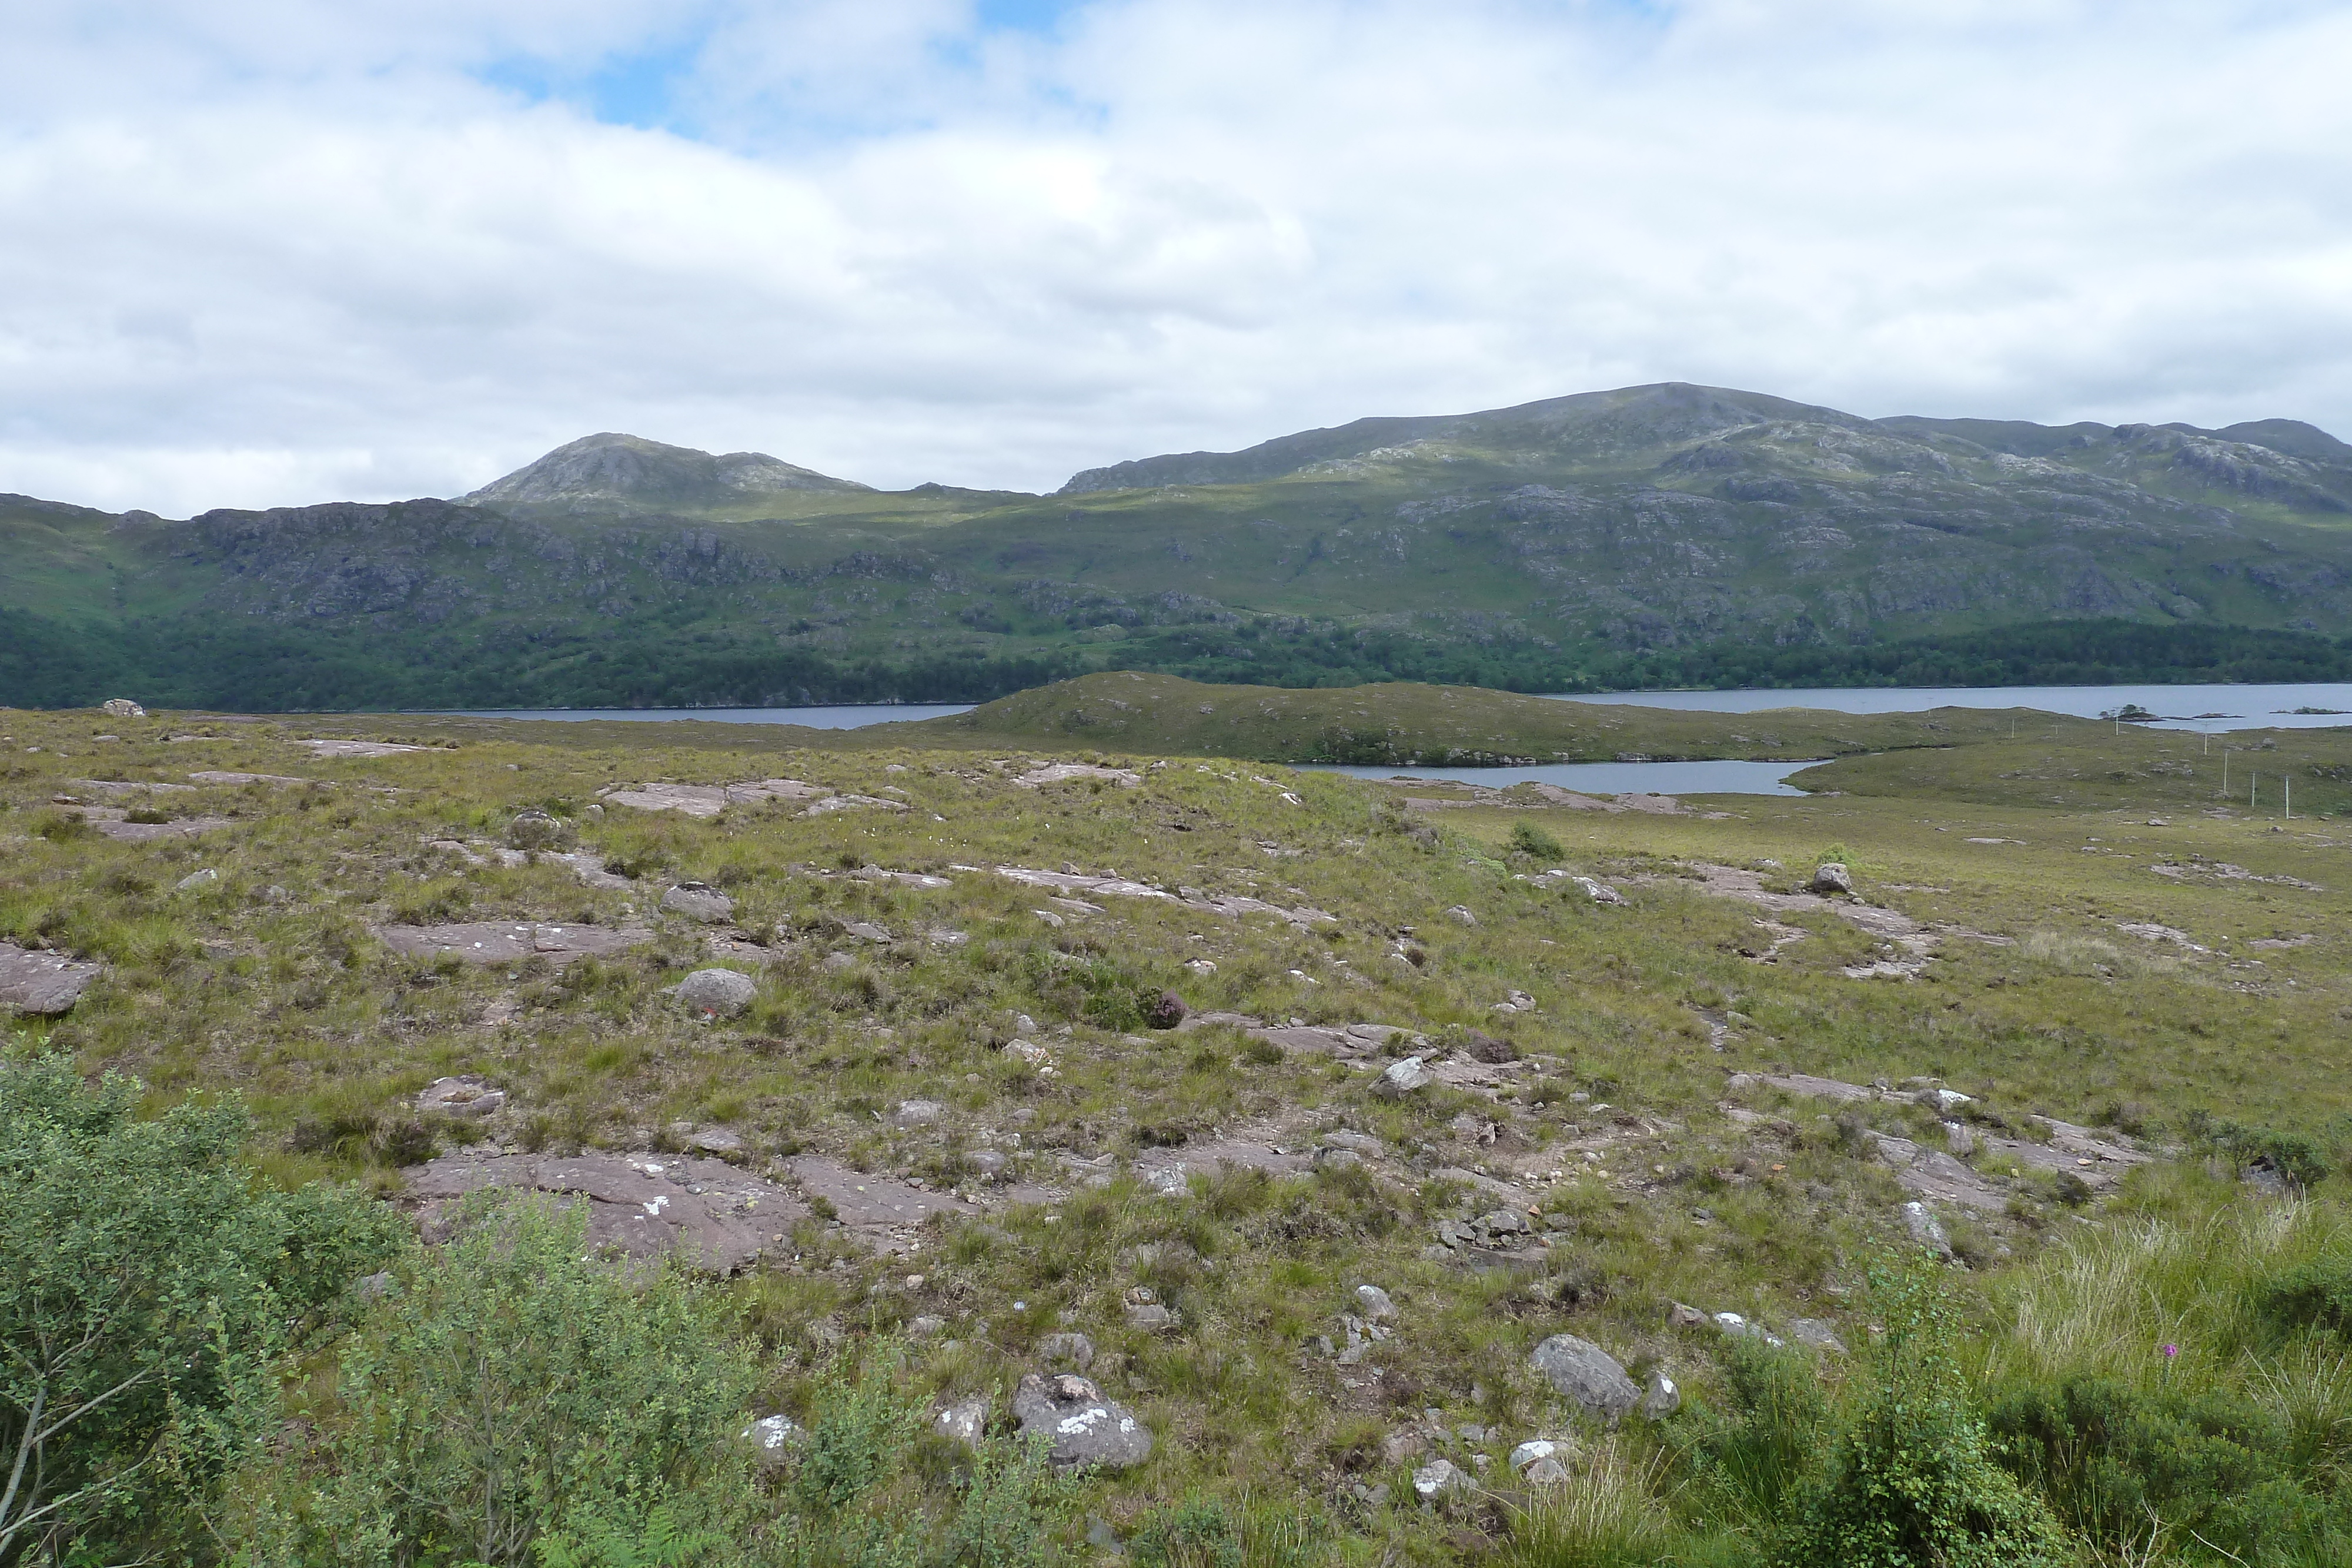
x: 1666, y: 534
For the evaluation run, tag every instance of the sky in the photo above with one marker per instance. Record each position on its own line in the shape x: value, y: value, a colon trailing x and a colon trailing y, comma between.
x: 275, y: 252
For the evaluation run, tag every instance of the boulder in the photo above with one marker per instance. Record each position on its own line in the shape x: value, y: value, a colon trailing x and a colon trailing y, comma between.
x: 1073, y: 1349
x: 962, y: 1421
x: 1402, y: 1078
x: 1461, y: 914
x: 1830, y: 877
x: 1660, y: 1398
x: 1438, y: 1477
x: 1084, y: 1430
x: 121, y: 707
x: 1337, y: 1159
x: 699, y: 902
x: 468, y: 1094
x: 1816, y: 1333
x: 197, y: 879
x: 717, y: 993
x: 1925, y: 1228
x: 1486, y: 1048
x: 1167, y: 1012
x: 1681, y: 1316
x: 867, y: 931
x: 537, y: 830
x: 918, y: 1114
x: 927, y: 1326
x: 773, y: 1437
x: 1600, y: 892
x: 41, y: 984
x: 1375, y: 1305
x: 1544, y: 1473
x: 1361, y: 1143
x: 1203, y: 967
x: 1555, y: 1448
x: 1586, y: 1375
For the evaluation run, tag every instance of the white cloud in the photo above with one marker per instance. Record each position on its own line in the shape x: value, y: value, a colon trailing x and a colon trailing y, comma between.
x: 267, y: 252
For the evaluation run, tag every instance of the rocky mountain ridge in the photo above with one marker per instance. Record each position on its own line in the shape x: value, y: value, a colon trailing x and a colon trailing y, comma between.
x: 1689, y: 529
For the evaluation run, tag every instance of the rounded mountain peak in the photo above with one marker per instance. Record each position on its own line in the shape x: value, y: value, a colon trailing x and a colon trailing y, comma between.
x: 611, y: 469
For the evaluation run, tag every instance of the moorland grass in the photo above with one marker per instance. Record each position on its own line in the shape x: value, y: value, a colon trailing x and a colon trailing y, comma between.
x: 269, y: 982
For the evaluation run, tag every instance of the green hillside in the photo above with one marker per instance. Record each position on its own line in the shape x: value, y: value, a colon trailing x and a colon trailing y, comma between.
x: 1665, y: 535
x: 1433, y: 726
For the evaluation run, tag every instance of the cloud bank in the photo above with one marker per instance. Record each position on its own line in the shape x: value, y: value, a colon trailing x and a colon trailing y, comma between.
x: 265, y: 251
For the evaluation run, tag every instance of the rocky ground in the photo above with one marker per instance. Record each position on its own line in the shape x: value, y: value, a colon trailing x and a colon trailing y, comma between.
x: 1226, y: 1127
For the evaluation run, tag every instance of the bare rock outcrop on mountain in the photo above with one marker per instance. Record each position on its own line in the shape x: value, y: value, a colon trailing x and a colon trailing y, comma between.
x: 613, y: 470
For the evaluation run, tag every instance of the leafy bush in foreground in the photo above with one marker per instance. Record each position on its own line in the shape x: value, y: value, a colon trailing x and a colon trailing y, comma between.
x: 147, y: 1289
x: 1912, y: 1483
x: 514, y: 1386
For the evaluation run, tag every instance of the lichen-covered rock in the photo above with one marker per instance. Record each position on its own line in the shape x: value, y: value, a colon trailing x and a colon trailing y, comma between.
x: 773, y: 1438
x: 1084, y: 1430
x: 1402, y: 1078
x: 1832, y: 877
x: 962, y: 1421
x: 1586, y: 1374
x: 1439, y: 1478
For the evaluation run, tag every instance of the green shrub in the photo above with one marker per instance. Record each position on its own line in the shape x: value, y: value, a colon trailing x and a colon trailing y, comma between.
x: 147, y: 1287
x: 2299, y: 1159
x: 2108, y: 1458
x: 1912, y: 1483
x: 1527, y: 838
x: 514, y: 1386
x: 2314, y: 1294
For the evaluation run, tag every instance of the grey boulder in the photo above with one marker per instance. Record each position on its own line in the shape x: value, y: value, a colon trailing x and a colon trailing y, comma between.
x: 1925, y: 1228
x: 41, y: 984
x: 1085, y: 1430
x: 1438, y: 1477
x: 772, y: 1438
x: 719, y: 993
x: 698, y: 901
x: 536, y: 829
x: 1074, y: 1349
x: 468, y: 1094
x: 1402, y: 1078
x: 962, y: 1421
x: 1816, y: 1333
x: 1832, y: 877
x: 1586, y: 1375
